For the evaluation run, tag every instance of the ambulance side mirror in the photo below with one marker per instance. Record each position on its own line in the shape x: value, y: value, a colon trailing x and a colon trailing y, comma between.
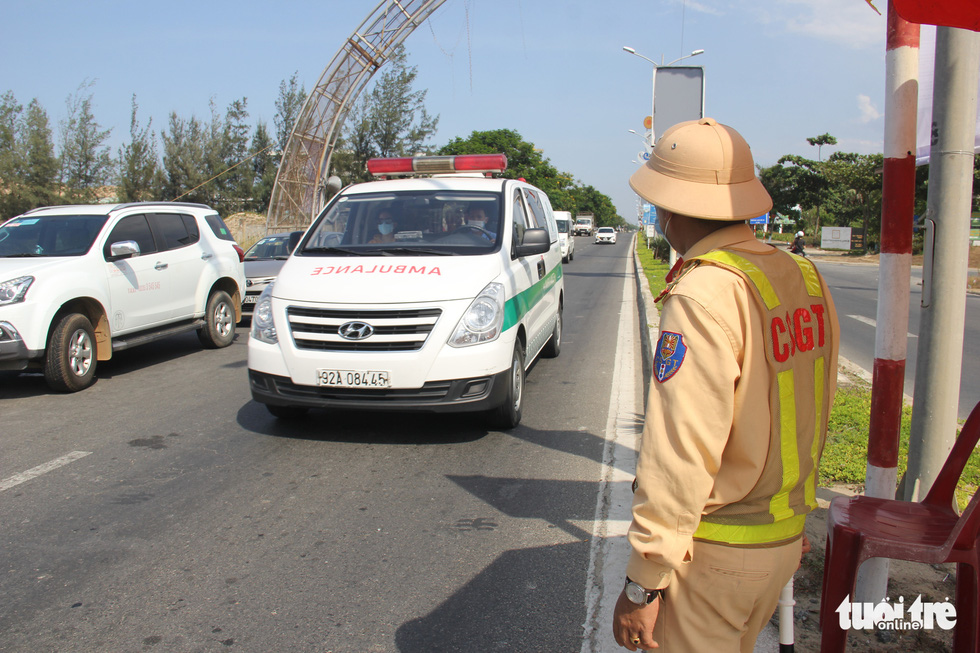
x: 535, y: 241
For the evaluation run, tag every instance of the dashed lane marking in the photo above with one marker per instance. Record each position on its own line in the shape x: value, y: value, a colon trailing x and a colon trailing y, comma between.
x: 34, y: 472
x: 874, y: 323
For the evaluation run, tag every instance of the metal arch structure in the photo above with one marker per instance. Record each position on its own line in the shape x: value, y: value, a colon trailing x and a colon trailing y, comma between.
x: 300, y: 188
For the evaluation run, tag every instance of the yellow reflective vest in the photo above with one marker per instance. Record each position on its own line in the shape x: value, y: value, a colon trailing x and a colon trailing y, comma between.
x: 799, y: 348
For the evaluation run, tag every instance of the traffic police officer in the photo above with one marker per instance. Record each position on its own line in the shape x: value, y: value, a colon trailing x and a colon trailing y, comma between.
x: 744, y: 373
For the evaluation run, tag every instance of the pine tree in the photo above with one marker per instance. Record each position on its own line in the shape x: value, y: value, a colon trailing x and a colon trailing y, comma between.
x: 137, y: 162
x: 28, y: 165
x: 236, y: 177
x: 288, y: 105
x: 183, y: 160
x: 86, y: 162
x: 41, y: 174
x: 10, y: 163
x: 265, y: 166
x: 390, y: 121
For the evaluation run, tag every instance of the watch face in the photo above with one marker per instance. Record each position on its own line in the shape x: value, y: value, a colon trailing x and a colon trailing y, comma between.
x: 636, y: 594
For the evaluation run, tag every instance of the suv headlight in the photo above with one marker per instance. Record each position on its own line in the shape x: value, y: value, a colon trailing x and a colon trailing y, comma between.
x: 483, y: 318
x: 14, y: 290
x: 263, y: 327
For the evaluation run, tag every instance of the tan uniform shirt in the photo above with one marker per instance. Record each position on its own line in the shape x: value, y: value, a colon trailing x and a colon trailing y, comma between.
x: 707, y: 427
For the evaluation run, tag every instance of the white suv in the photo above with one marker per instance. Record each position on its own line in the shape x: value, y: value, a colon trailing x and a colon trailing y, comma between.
x: 80, y: 282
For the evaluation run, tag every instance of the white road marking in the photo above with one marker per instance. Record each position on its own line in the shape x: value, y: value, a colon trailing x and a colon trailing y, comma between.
x: 34, y: 472
x: 874, y: 324
x: 608, y: 547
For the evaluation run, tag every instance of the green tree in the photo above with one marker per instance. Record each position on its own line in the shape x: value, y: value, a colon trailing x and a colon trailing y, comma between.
x: 819, y: 142
x: 137, y: 162
x: 183, y: 160
x: 11, y: 165
x: 524, y: 161
x: 236, y: 176
x: 86, y: 161
x: 794, y: 181
x: 28, y: 165
x: 264, y: 168
x: 391, y: 120
x: 10, y: 111
x: 41, y: 165
x: 288, y: 105
x: 854, y: 192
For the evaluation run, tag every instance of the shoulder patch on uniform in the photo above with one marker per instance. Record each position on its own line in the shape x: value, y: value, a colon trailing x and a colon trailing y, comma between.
x: 670, y: 354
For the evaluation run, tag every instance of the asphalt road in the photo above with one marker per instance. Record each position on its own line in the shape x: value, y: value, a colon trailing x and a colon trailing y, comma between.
x: 855, y: 290
x: 162, y: 509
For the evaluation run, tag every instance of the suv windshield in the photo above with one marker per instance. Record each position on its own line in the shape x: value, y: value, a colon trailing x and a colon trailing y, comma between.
x: 50, y: 235
x: 440, y: 222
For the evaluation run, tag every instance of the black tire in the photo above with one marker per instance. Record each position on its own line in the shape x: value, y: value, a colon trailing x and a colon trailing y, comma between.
x: 508, y: 414
x: 70, y: 362
x: 552, y: 348
x: 287, y: 412
x: 219, y: 321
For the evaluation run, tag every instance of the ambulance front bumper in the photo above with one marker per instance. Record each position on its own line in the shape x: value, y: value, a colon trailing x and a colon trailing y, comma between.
x: 449, y: 396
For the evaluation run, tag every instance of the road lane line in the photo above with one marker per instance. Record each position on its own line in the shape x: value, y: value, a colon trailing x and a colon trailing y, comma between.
x: 874, y: 324
x: 608, y: 547
x: 34, y: 472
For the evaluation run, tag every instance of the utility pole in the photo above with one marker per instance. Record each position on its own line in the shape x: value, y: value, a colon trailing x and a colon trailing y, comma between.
x: 895, y: 265
x: 944, y: 271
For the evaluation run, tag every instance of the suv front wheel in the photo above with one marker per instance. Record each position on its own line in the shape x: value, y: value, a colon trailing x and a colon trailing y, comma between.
x: 69, y: 364
x: 219, y: 321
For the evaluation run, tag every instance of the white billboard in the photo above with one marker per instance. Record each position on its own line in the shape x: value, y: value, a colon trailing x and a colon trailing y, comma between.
x: 678, y: 95
x: 835, y: 238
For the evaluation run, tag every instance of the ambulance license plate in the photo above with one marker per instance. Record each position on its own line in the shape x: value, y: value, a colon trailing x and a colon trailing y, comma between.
x: 353, y: 378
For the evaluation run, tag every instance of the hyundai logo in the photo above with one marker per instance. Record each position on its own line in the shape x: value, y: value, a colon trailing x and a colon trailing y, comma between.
x: 355, y: 330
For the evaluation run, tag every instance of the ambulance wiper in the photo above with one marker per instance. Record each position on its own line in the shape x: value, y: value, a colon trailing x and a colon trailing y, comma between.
x: 329, y: 251
x: 415, y: 251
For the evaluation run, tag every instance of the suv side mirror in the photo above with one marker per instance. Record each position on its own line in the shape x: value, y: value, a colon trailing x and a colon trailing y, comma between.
x: 535, y: 241
x: 123, y: 249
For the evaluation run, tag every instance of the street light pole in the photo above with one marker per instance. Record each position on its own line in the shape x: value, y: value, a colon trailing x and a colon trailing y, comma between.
x: 653, y: 96
x: 653, y: 102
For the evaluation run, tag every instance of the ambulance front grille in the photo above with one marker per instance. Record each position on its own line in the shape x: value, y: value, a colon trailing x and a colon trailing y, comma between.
x: 390, y: 330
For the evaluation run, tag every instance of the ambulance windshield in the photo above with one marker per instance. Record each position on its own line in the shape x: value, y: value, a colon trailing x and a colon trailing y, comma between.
x: 409, y: 223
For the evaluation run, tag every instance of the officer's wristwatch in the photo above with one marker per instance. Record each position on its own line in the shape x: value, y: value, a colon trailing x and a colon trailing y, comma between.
x: 639, y: 595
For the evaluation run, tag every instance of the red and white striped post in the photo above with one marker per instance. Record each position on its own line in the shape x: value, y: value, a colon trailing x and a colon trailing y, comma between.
x: 895, y: 265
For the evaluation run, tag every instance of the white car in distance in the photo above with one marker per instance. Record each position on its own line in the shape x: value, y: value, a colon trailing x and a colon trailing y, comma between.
x: 605, y: 235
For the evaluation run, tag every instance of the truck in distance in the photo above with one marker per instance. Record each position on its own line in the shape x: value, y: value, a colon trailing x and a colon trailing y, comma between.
x: 584, y: 224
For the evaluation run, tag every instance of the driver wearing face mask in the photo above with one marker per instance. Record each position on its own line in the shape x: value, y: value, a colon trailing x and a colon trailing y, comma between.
x: 386, y: 229
x: 476, y: 217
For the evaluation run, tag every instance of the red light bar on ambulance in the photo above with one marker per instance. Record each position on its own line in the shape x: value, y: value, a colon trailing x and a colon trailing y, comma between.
x: 421, y: 165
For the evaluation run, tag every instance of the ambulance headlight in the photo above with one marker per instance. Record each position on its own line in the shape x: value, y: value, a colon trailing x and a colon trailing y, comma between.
x: 483, y: 318
x: 263, y: 328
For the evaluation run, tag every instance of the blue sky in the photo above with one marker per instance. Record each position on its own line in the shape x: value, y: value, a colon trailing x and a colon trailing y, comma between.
x: 779, y: 71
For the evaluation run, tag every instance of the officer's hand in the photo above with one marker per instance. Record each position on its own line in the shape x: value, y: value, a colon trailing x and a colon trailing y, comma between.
x: 633, y: 624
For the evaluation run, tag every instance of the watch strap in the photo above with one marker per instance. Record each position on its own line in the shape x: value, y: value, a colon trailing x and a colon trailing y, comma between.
x: 651, y: 594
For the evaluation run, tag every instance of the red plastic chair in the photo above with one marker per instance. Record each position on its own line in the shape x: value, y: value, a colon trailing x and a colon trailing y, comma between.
x: 931, y: 532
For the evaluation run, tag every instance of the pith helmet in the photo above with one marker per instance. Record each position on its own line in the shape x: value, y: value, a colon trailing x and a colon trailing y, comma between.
x: 703, y: 169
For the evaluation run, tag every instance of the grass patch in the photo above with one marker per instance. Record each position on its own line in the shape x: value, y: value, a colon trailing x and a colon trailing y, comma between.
x: 845, y: 455
x: 654, y: 268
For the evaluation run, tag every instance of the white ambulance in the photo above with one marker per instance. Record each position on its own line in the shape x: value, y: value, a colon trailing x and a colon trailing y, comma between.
x: 414, y: 293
